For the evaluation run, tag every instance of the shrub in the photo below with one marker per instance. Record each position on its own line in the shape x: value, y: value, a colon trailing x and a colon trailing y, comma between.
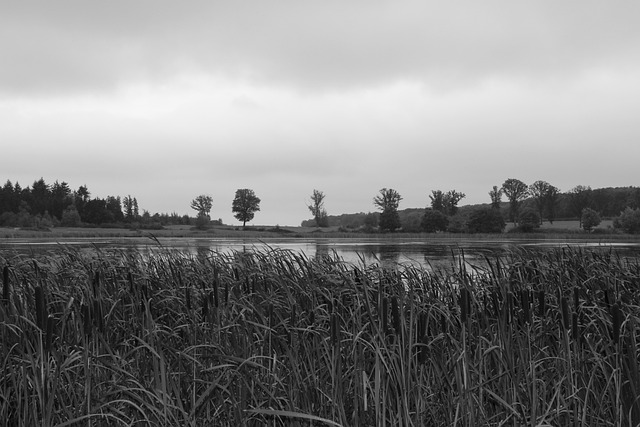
x: 528, y: 220
x: 590, y: 219
x: 628, y: 221
x: 486, y: 220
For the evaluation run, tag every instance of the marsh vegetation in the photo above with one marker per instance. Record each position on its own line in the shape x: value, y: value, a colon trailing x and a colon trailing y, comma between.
x: 272, y: 337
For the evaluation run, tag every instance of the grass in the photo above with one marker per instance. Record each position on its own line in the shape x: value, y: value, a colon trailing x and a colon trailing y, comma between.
x: 275, y: 338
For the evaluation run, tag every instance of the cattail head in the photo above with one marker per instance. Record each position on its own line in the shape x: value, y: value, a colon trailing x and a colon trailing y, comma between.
x: 41, y: 307
x: 205, y: 306
x: 385, y: 310
x: 86, y: 319
x: 5, y: 284
x: 564, y: 306
x: 335, y: 329
x: 526, y: 306
x: 49, y: 335
x: 616, y: 317
x: 541, y: 307
x: 395, y: 314
x: 464, y: 304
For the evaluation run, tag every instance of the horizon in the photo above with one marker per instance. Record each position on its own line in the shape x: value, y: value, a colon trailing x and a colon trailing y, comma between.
x: 167, y: 102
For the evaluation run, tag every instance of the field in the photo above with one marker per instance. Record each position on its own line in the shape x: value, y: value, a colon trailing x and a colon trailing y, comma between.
x: 274, y: 338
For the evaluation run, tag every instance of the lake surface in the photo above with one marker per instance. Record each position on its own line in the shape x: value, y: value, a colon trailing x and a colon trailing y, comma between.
x: 387, y: 252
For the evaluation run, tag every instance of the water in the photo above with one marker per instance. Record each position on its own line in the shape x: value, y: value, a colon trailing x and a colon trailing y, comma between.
x: 387, y: 252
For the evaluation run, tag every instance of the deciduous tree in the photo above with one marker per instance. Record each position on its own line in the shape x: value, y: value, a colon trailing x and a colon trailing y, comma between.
x: 317, y: 208
x: 201, y: 204
x: 589, y: 219
x: 245, y: 205
x: 496, y: 197
x: 516, y: 191
x: 388, y: 201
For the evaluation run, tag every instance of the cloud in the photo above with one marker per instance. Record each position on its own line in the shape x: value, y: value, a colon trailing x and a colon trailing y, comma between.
x: 75, y: 45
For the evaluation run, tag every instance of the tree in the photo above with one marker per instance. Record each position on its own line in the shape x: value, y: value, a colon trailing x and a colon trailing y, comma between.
x: 550, y: 202
x: 317, y: 209
x: 486, y: 220
x: 528, y: 220
x: 437, y: 201
x: 496, y: 197
x: 202, y: 204
x: 245, y: 205
x: 434, y: 221
x: 516, y: 191
x: 388, y: 201
x: 538, y: 191
x: 589, y: 219
x: 628, y: 221
x: 580, y: 198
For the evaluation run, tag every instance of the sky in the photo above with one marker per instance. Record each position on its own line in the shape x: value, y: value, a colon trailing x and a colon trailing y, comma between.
x: 166, y: 100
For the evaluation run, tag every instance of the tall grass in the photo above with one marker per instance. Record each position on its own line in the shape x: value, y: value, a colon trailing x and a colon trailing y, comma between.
x: 274, y: 338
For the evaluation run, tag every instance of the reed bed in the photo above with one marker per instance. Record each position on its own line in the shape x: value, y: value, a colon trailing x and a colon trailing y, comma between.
x: 274, y: 338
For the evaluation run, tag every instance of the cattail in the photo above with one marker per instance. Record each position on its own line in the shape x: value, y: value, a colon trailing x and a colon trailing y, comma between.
x: 508, y: 307
x: 97, y: 315
x: 5, y: 284
x: 574, y: 327
x: 86, y: 319
x: 385, y: 309
x: 49, y: 335
x: 205, y: 306
x: 464, y: 304
x: 564, y: 306
x: 616, y: 315
x: 187, y: 296
x: 395, y: 314
x: 216, y: 302
x: 356, y: 274
x: 335, y: 329
x: 96, y: 283
x: 40, y: 308
x: 526, y: 306
x: 130, y: 278
x: 541, y: 307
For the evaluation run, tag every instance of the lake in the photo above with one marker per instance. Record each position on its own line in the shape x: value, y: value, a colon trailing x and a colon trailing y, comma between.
x: 387, y: 252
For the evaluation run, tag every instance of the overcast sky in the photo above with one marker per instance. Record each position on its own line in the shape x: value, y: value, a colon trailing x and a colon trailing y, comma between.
x: 166, y: 100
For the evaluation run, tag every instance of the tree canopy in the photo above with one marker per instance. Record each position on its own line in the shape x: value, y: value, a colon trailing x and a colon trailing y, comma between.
x: 245, y: 205
x: 388, y: 201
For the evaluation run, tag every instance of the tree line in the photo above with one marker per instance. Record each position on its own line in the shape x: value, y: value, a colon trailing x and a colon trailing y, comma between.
x: 526, y: 207
x: 43, y: 206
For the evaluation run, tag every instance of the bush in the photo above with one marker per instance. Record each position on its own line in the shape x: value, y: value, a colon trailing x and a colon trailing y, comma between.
x: 628, y: 221
x: 486, y: 220
x: 590, y: 219
x: 528, y: 220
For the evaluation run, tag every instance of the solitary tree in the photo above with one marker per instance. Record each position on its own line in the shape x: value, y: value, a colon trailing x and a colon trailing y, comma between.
x: 317, y: 208
x: 245, y: 205
x: 388, y: 201
x: 516, y: 191
x: 202, y: 204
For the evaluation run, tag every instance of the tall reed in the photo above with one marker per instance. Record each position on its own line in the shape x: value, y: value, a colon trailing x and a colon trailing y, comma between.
x: 272, y: 337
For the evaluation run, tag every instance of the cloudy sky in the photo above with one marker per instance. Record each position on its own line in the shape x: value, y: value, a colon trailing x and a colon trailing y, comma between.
x: 166, y: 100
